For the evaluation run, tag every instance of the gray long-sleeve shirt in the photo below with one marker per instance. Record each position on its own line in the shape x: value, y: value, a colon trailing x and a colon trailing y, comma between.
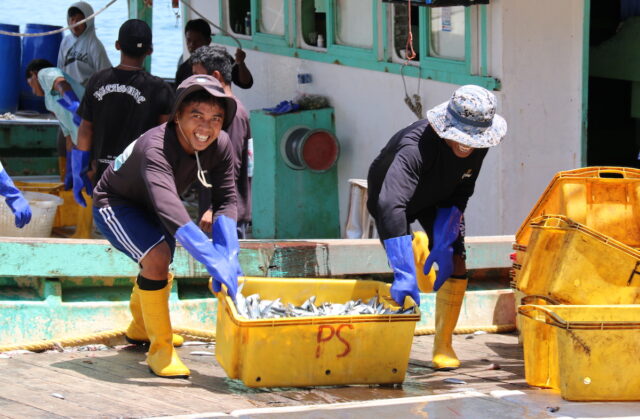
x: 155, y: 169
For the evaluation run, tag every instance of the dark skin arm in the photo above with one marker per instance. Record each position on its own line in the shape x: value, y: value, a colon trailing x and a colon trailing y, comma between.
x: 61, y: 86
x: 85, y: 139
x: 244, y: 75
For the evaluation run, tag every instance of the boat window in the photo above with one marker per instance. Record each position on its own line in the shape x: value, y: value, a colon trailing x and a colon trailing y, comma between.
x: 272, y: 17
x: 313, y: 23
x: 447, y: 32
x: 401, y: 23
x: 239, y: 12
x: 354, y: 23
x: 450, y: 43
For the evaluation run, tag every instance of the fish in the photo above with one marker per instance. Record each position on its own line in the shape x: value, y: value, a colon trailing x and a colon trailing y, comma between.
x: 253, y: 307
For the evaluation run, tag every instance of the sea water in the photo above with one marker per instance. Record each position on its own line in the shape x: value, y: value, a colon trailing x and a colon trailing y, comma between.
x: 167, y: 26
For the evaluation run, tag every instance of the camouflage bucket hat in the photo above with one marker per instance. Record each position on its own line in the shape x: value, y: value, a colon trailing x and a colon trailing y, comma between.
x: 469, y: 118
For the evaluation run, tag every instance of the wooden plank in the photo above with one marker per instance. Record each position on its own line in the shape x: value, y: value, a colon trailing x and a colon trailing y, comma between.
x: 124, y: 371
x: 12, y: 409
x: 129, y: 366
x: 28, y: 392
x: 106, y: 398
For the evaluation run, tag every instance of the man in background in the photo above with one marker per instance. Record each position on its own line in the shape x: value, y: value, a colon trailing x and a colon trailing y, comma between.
x: 217, y: 62
x: 81, y: 52
x: 62, y: 96
x: 120, y: 104
x: 81, y: 55
x: 197, y: 34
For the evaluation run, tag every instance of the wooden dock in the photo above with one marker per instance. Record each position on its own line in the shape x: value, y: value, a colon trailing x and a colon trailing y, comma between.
x: 116, y: 382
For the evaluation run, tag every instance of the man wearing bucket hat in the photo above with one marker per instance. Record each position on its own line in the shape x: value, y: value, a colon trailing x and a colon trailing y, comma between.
x: 14, y: 199
x: 427, y: 172
x: 137, y: 207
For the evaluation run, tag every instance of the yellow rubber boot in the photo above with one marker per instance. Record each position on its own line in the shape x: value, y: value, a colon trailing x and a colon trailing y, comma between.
x: 84, y: 219
x: 448, y: 303
x: 162, y: 357
x: 136, y: 332
x: 420, y: 244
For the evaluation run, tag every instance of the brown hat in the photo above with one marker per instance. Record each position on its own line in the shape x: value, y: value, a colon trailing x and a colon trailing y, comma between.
x: 212, y: 86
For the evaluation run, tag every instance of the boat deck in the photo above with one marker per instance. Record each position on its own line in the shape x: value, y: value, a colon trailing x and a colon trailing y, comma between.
x: 114, y: 381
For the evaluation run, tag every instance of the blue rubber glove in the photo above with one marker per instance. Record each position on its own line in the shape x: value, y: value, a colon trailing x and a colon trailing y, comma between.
x: 71, y: 103
x: 68, y: 173
x: 446, y: 229
x: 400, y: 254
x: 200, y: 247
x: 79, y: 167
x: 14, y: 198
x: 225, y: 241
x: 285, y: 106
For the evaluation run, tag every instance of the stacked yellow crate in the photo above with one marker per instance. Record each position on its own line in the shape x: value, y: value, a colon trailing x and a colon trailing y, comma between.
x: 577, y: 263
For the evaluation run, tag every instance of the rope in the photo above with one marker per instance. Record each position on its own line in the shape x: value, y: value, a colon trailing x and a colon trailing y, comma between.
x: 186, y: 3
x: 208, y: 336
x: 61, y: 29
x: 204, y: 335
x: 413, y: 102
x: 58, y: 343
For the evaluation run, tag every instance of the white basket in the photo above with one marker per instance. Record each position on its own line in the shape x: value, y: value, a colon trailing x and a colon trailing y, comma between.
x: 43, y: 213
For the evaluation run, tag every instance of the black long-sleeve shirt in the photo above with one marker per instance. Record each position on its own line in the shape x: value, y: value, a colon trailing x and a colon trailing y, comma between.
x: 417, y: 171
x: 155, y: 169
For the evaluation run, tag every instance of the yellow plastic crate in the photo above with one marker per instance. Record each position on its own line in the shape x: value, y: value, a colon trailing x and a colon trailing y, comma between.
x: 604, y: 199
x: 314, y: 351
x: 587, y: 352
x: 574, y: 264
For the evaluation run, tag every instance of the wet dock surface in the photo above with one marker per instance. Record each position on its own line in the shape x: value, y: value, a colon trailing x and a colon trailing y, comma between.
x: 116, y: 382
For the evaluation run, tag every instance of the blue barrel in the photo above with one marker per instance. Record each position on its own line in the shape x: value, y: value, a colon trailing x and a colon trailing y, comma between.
x: 9, y: 69
x: 46, y: 47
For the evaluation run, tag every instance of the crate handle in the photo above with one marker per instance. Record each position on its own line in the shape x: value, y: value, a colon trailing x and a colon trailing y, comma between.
x: 612, y: 173
x: 555, y: 320
x: 554, y: 220
x: 552, y: 318
x: 527, y: 299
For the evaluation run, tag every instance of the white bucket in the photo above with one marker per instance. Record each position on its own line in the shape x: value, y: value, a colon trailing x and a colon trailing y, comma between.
x: 43, y: 213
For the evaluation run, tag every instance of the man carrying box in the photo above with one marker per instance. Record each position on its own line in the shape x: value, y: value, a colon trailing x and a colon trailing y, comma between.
x: 137, y: 207
x: 427, y: 172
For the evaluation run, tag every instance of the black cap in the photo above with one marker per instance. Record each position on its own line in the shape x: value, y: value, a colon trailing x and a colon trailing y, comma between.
x: 135, y: 35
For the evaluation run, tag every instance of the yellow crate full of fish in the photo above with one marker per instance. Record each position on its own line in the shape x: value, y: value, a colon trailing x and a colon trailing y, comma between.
x: 314, y: 350
x: 604, y: 199
x: 587, y: 352
x: 574, y: 264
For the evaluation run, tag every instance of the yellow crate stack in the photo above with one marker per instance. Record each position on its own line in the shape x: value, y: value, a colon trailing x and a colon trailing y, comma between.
x: 577, y: 264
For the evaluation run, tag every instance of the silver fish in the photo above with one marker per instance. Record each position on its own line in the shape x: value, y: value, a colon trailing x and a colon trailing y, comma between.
x: 252, y: 307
